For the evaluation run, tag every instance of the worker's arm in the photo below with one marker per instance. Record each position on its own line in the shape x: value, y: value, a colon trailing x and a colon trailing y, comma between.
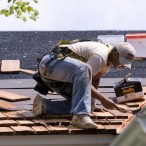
x: 96, y: 78
x: 95, y: 82
x: 105, y: 101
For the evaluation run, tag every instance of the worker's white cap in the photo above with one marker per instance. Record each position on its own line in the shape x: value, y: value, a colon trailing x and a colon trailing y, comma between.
x: 126, y: 54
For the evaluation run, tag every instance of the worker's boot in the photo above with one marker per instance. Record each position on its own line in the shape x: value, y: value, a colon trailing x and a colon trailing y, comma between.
x: 39, y: 106
x: 83, y: 122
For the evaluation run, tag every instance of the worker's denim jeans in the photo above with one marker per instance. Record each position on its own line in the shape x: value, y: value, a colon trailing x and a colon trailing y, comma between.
x: 76, y: 77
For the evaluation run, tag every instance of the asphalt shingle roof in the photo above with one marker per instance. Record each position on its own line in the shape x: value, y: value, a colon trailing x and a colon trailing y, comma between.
x: 28, y: 46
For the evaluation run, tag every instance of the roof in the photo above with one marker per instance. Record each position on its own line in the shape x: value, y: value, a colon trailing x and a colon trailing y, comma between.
x: 16, y: 117
x: 30, y: 45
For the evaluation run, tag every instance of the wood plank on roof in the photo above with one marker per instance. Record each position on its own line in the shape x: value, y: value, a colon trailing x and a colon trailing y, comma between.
x: 115, y: 121
x: 132, y: 104
x: 144, y: 89
x: 119, y: 114
x: 103, y: 115
x: 134, y: 109
x: 40, y: 130
x: 65, y: 122
x: 13, y: 66
x: 135, y: 103
x: 30, y: 93
x: 74, y: 130
x: 6, y: 105
x: 8, y: 123
x: 12, y: 96
x: 12, y: 114
x: 10, y: 66
x: 6, y: 131
x: 25, y: 122
x: 22, y: 130
x: 123, y: 106
x: 57, y: 129
x: 2, y: 116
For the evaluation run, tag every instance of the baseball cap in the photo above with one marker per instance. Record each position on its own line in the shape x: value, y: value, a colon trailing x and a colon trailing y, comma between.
x: 126, y: 54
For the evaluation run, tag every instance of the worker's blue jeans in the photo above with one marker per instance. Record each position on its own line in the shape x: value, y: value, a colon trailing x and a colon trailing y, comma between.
x: 76, y: 77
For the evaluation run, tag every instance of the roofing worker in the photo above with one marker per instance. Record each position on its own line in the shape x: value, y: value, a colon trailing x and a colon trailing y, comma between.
x: 78, y: 79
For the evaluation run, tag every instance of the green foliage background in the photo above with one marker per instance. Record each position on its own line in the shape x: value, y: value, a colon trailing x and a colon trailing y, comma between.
x: 22, y: 9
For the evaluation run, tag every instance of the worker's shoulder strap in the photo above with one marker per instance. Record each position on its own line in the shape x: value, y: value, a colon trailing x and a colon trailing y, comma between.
x: 110, y: 48
x: 67, y: 52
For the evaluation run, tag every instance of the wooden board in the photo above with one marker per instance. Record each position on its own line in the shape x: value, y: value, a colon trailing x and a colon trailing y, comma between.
x: 25, y: 122
x: 12, y: 115
x: 6, y: 106
x: 10, y: 65
x: 57, y: 129
x: 22, y: 129
x: 13, y: 66
x: 2, y: 116
x: 12, y: 96
x: 102, y: 115
x: 40, y: 129
x: 144, y: 90
x: 8, y: 123
x: 6, y: 131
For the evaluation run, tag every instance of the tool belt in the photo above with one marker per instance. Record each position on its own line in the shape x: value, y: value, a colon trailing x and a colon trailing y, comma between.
x: 45, y: 85
x: 40, y: 86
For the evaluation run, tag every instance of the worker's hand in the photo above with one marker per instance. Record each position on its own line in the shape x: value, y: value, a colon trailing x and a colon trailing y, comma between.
x: 109, y: 104
x: 123, y: 109
x: 99, y: 109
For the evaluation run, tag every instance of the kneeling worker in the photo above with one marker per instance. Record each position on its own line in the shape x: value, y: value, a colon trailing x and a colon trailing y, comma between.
x: 74, y: 71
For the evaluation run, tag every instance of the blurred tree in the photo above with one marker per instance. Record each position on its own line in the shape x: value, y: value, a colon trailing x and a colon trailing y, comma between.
x: 22, y: 9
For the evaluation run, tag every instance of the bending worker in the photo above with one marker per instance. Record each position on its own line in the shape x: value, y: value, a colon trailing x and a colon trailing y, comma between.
x: 74, y: 71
